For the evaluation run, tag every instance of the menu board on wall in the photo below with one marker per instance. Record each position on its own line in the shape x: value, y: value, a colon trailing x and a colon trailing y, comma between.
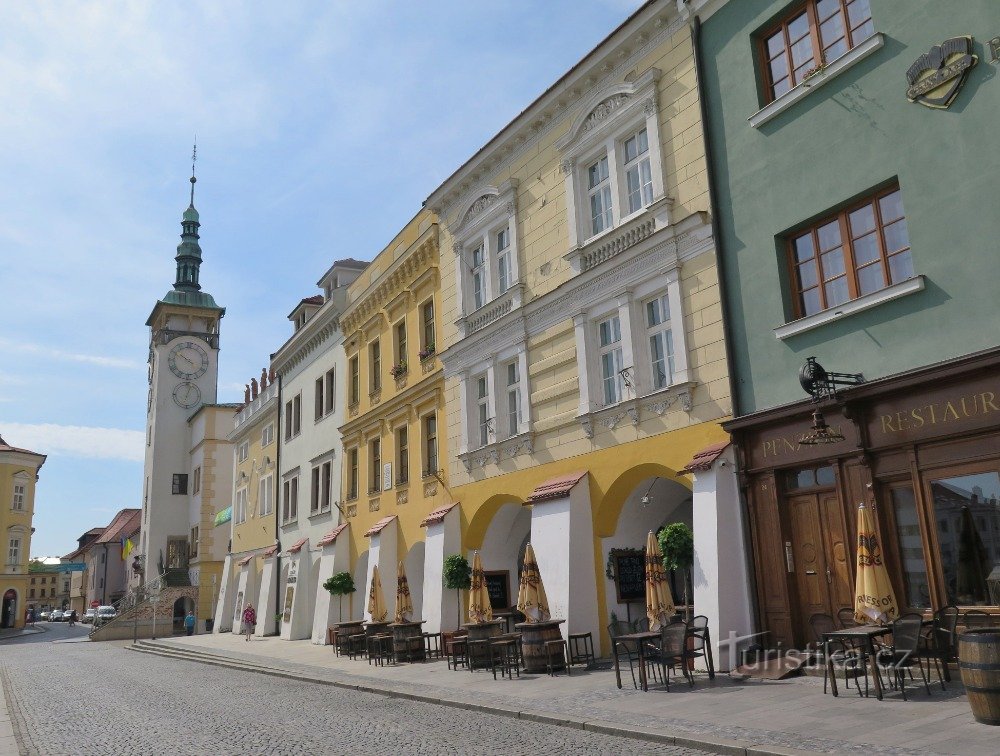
x: 629, y: 575
x: 498, y: 586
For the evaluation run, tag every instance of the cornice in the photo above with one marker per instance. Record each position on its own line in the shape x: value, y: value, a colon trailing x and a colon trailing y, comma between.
x: 406, y: 401
x: 307, y: 339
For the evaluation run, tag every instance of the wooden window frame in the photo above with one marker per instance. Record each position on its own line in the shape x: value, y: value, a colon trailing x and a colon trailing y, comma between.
x: 847, y: 244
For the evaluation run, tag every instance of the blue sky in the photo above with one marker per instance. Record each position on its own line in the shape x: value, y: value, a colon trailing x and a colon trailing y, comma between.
x: 321, y: 128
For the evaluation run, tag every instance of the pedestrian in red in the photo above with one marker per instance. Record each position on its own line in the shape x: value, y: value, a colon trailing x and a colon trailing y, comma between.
x: 249, y: 620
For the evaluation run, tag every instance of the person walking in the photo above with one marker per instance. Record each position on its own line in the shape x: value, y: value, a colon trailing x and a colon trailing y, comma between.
x: 189, y: 621
x: 72, y: 617
x: 249, y: 620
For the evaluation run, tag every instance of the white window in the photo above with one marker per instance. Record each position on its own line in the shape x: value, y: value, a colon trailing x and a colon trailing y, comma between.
x: 290, y: 501
x: 266, y: 499
x: 638, y: 178
x: 315, y: 493
x: 326, y: 495
x: 293, y: 416
x: 267, y: 435
x: 610, y: 341
x: 240, y: 506
x: 478, y: 277
x: 513, y: 398
x: 483, y: 409
x: 661, y: 342
x: 599, y: 196
x: 13, y: 551
x: 19, y: 493
x: 331, y: 388
x: 503, y: 260
x: 243, y: 451
x: 319, y: 403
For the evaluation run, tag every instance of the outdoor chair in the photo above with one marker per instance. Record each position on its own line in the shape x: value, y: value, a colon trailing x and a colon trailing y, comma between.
x: 672, y: 652
x: 456, y: 651
x: 641, y: 625
x: 432, y: 645
x: 846, y: 619
x: 698, y: 643
x: 505, y: 653
x: 554, y: 651
x: 380, y: 650
x: 938, y: 644
x: 841, y: 654
x: 581, y: 649
x: 357, y: 645
x: 904, y: 653
x: 624, y: 649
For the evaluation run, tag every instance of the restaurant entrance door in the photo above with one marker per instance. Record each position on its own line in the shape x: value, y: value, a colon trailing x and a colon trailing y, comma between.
x: 818, y: 561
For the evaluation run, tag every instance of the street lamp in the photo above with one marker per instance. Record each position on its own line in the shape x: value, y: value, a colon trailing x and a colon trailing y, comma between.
x: 820, y: 384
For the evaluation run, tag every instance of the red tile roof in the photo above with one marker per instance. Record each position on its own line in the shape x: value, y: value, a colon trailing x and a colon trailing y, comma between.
x: 125, y: 523
x: 437, y: 515
x: 296, y: 547
x: 270, y: 551
x: 331, y: 536
x: 704, y: 459
x: 246, y: 560
x: 315, y: 299
x: 5, y: 447
x: 379, y: 526
x: 556, y: 487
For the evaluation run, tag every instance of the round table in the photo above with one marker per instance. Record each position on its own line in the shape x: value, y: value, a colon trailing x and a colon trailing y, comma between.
x: 402, y: 633
x: 534, y: 636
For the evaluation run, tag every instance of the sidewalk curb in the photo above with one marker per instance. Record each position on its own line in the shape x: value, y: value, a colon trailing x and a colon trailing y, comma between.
x: 703, y: 743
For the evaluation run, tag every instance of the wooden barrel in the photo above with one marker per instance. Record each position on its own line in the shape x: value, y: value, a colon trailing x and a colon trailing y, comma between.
x: 401, y: 634
x: 979, y: 661
x: 478, y: 656
x: 534, y: 636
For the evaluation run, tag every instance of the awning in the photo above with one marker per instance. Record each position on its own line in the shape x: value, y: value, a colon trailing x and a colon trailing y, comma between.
x: 437, y: 515
x: 379, y: 526
x: 555, y: 488
x: 297, y: 546
x: 224, y: 516
x: 704, y: 459
x: 331, y: 536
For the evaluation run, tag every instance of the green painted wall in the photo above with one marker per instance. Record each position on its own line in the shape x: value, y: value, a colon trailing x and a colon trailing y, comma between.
x: 846, y: 137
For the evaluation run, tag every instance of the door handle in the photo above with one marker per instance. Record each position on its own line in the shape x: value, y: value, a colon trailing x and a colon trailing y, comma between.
x: 829, y: 576
x: 789, y: 561
x: 810, y: 572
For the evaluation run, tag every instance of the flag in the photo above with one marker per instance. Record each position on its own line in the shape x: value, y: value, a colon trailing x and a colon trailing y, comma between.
x: 127, y: 547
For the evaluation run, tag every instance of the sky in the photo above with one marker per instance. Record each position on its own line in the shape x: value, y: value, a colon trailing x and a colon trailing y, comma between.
x: 321, y: 127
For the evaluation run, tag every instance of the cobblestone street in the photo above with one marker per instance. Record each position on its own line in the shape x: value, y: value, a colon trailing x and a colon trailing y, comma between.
x: 89, y: 698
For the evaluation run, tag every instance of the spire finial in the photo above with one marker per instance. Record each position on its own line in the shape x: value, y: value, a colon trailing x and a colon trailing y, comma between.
x: 194, y: 158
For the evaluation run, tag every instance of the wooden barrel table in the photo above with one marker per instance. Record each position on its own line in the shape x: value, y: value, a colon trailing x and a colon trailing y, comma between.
x: 979, y: 662
x: 479, y: 657
x: 534, y: 636
x: 402, y: 633
x: 343, y: 629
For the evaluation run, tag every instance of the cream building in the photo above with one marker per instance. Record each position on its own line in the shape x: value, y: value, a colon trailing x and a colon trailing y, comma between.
x: 18, y: 477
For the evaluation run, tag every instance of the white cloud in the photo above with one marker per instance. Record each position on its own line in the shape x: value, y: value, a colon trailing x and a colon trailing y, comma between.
x: 58, y: 354
x: 77, y: 440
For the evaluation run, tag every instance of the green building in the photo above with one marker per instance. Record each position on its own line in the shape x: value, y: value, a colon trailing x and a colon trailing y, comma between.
x: 853, y: 164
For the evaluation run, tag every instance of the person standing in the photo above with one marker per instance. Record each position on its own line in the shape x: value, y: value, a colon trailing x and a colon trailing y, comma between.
x: 249, y: 620
x: 189, y: 621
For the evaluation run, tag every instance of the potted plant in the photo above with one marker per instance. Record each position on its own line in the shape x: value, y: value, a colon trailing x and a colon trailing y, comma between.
x: 677, y: 544
x: 340, y: 585
x: 426, y: 352
x: 457, y: 575
x: 398, y: 370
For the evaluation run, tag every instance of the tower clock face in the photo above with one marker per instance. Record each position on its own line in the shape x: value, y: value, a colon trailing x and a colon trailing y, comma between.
x: 187, y: 395
x: 188, y: 360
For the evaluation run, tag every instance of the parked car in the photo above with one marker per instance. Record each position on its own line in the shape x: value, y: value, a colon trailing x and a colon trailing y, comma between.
x: 88, y: 616
x: 44, y: 615
x: 56, y: 615
x: 104, y: 614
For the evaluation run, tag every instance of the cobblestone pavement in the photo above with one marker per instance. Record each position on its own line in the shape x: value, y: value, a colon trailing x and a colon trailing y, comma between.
x: 88, y: 698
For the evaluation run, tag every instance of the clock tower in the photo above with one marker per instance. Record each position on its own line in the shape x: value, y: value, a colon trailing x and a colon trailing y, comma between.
x: 183, y: 375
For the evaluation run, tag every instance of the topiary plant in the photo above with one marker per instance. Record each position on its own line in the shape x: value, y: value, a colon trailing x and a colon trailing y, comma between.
x: 677, y: 544
x: 340, y: 585
x: 457, y: 575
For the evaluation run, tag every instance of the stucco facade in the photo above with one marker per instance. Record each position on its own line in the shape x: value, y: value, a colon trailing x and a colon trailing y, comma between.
x: 19, y: 470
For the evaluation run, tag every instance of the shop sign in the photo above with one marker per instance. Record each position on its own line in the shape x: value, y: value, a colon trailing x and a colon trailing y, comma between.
x: 778, y: 446
x: 936, y: 77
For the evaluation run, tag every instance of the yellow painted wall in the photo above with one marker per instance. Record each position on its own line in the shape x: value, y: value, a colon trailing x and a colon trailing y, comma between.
x: 22, y: 468
x: 257, y: 532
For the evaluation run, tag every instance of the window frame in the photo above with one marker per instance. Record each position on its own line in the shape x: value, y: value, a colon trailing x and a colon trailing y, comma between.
x: 427, y: 326
x: 240, y: 505
x: 354, y: 369
x: 265, y: 495
x: 267, y: 435
x: 179, y: 484
x: 665, y: 329
x: 612, y: 349
x: 400, y: 342
x: 429, y: 444
x: 353, y: 477
x: 196, y: 483
x: 290, y: 500
x: 20, y: 496
x: 402, y: 439
x: 13, y: 550
x: 243, y: 451
x: 512, y: 391
x: 375, y: 465
x: 330, y: 380
x: 375, y: 366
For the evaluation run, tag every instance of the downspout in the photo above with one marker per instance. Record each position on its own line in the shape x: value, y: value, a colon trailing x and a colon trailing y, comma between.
x: 104, y: 584
x: 277, y: 501
x: 699, y: 68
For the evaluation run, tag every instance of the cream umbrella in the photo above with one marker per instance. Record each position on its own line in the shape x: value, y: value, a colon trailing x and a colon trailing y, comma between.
x: 659, y: 601
x: 404, y: 602
x: 479, y: 598
x: 531, y: 598
x: 874, y: 597
x: 376, y: 599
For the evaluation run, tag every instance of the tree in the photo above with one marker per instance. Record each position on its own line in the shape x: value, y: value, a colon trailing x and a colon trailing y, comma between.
x: 677, y: 544
x: 457, y: 575
x: 340, y: 585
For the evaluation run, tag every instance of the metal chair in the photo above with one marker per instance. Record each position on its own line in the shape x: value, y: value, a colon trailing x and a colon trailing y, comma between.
x: 840, y: 653
x: 672, y: 652
x: 584, y: 656
x: 699, y: 643
x: 904, y: 653
x: 974, y: 618
x: 846, y: 618
x: 940, y: 642
x: 627, y: 649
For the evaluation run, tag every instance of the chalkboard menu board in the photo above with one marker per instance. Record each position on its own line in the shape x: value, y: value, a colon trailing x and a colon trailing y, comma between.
x: 498, y: 586
x: 630, y: 575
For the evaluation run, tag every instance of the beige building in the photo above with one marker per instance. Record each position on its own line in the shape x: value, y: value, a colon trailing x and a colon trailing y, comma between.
x: 18, y: 476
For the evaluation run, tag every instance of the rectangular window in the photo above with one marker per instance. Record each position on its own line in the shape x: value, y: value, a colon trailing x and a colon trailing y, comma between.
x: 290, y: 505
x: 427, y: 312
x: 243, y: 451
x: 503, y: 260
x: 858, y: 251
x: 315, y: 493
x: 194, y: 542
x: 813, y: 35
x: 355, y: 379
x: 401, y: 343
x: 402, y: 456
x: 483, y: 409
x: 267, y: 434
x: 909, y: 548
x: 288, y: 419
x: 320, y: 403
x: 352, y: 461
x: 375, y: 354
x: 296, y: 414
x: 375, y: 466
x: 240, y: 506
x: 196, y: 483
x: 326, y: 496
x: 179, y: 483
x: 610, y: 335
x: 330, y: 393
x: 19, y: 495
x: 430, y: 445
x: 513, y: 398
x: 661, y: 341
x: 638, y: 178
x: 14, y: 551
x: 599, y: 196
x: 479, y: 276
x: 266, y: 503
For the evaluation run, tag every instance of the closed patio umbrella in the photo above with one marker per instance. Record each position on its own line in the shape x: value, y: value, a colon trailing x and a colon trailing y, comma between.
x: 376, y: 599
x: 479, y: 598
x: 404, y: 603
x: 531, y: 598
x: 874, y: 597
x: 659, y: 601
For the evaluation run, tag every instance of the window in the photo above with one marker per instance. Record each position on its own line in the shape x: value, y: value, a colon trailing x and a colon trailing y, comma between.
x: 194, y: 541
x: 401, y: 343
x: 375, y: 363
x: 638, y: 178
x: 599, y: 196
x: 610, y: 337
x: 31, y: 593
x: 430, y: 445
x: 402, y: 456
x: 320, y: 404
x: 265, y: 498
x: 326, y: 479
x: 856, y: 252
x: 196, y: 483
x: 267, y: 434
x: 52, y: 592
x: 355, y: 367
x: 240, y: 506
x: 179, y: 484
x: 812, y: 36
x: 19, y: 493
x: 14, y: 551
x: 352, y: 461
x: 293, y: 416
x: 910, y: 551
x: 504, y: 279
x: 316, y: 493
x: 661, y: 342
x: 243, y: 451
x: 478, y: 277
x: 290, y: 503
x: 375, y: 465
x: 483, y: 423
x: 513, y: 398
x: 427, y: 315
x: 331, y: 388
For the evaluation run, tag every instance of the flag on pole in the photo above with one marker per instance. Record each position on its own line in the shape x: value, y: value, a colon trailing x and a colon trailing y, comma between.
x: 127, y: 547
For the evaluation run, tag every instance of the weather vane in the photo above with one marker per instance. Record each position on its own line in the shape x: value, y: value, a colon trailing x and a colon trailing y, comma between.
x: 194, y: 159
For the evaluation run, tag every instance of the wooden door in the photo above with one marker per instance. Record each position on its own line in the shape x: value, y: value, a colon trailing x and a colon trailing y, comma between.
x: 809, y: 563
x: 839, y: 553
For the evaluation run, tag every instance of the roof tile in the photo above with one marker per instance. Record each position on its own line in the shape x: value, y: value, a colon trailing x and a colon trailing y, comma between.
x: 379, y: 526
x: 556, y: 487
x: 704, y: 459
x: 331, y: 536
x: 438, y: 515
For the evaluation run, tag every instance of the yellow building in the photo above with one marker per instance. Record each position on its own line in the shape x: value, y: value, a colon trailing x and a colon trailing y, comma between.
x: 18, y: 476
x: 394, y: 471
x: 582, y: 334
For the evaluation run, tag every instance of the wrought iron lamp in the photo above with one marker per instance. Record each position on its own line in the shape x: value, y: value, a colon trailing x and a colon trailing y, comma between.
x: 820, y: 384
x: 820, y: 433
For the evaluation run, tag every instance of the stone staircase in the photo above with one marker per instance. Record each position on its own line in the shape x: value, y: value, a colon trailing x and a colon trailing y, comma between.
x: 136, y: 611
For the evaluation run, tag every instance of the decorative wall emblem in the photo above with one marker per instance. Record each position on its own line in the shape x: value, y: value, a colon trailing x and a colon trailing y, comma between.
x: 604, y: 110
x: 936, y: 77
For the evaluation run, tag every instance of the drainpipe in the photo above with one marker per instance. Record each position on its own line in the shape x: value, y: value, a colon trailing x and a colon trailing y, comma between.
x: 724, y: 306
x: 277, y: 505
x: 104, y: 585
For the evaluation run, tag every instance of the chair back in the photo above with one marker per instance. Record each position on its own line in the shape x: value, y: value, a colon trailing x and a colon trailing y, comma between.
x: 618, y: 628
x: 977, y: 618
x: 820, y: 624
x: 846, y: 619
x: 906, y: 634
x: 641, y: 625
x: 673, y: 639
x: 697, y: 629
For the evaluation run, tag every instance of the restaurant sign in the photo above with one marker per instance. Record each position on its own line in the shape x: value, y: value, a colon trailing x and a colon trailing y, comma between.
x: 940, y: 412
x: 936, y: 77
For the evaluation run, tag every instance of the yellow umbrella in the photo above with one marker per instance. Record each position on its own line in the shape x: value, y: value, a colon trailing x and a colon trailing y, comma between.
x: 404, y: 603
x: 531, y: 598
x: 376, y: 599
x: 659, y: 601
x: 875, y: 600
x: 479, y: 598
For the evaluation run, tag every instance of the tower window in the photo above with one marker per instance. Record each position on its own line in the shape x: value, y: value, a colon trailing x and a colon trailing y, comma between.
x: 179, y: 485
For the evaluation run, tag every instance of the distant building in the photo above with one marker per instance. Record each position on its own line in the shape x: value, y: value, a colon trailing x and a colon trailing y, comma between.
x: 18, y: 476
x: 107, y: 578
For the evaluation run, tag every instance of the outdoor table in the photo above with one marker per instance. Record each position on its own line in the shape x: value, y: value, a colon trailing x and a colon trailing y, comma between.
x: 866, y: 634
x: 348, y: 628
x: 481, y: 631
x: 403, y: 634
x: 640, y: 639
x: 537, y: 657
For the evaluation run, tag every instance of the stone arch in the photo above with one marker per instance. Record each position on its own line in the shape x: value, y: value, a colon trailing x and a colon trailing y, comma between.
x: 480, y: 522
x: 608, y: 510
x: 8, y: 608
